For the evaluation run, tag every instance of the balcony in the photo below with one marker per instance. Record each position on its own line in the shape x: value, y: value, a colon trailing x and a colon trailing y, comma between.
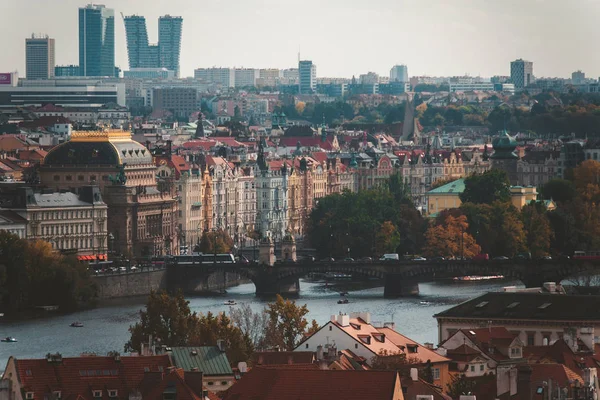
x: 196, y: 204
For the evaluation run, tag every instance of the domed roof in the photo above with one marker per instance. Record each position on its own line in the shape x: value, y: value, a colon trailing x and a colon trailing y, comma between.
x: 109, y: 147
x: 504, y: 146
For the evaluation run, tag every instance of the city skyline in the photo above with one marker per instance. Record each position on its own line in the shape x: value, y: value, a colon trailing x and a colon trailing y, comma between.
x: 427, y: 36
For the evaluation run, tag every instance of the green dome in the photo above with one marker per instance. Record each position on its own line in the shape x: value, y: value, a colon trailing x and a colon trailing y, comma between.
x: 504, y: 146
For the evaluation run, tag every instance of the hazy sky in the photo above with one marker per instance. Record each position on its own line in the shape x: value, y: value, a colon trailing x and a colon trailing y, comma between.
x: 342, y: 37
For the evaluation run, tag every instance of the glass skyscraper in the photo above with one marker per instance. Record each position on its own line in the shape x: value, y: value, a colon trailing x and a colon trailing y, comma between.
x: 96, y: 40
x: 144, y: 55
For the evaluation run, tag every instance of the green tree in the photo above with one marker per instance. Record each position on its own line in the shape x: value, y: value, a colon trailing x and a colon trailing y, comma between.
x: 167, y: 318
x: 287, y: 324
x: 490, y: 186
x: 387, y: 238
x: 399, y: 190
x: 559, y: 190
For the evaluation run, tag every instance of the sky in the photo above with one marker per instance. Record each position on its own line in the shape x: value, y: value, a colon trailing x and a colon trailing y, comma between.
x: 342, y: 37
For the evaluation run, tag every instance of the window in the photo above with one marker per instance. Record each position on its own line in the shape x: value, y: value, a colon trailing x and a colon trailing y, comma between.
x: 69, y: 178
x: 307, y: 345
x: 97, y: 393
x: 481, y: 367
x: 146, y: 369
x: 57, y: 394
x: 210, y: 383
x: 224, y: 383
x: 112, y: 393
x: 436, y: 374
x: 530, y: 339
x: 330, y: 327
x: 472, y: 368
x: 356, y: 345
x: 29, y: 395
x: 56, y: 179
x: 80, y: 177
x: 28, y: 372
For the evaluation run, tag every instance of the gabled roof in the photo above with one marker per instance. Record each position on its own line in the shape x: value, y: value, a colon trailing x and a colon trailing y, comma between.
x: 208, y: 359
x: 412, y: 389
x: 154, y: 386
x: 266, y: 383
x: 307, y: 141
x: 463, y: 353
x: 423, y: 353
x: 526, y: 306
x: 76, y: 377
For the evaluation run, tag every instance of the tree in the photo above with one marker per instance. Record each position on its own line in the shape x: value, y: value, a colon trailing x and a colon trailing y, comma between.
x: 215, y: 242
x: 451, y: 239
x: 587, y: 180
x: 253, y: 325
x: 287, y: 324
x: 428, y: 372
x: 559, y: 190
x: 210, y: 329
x: 399, y: 190
x: 167, y: 318
x: 460, y: 385
x: 539, y: 233
x: 300, y: 107
x: 387, y: 238
x: 398, y: 361
x: 492, y: 185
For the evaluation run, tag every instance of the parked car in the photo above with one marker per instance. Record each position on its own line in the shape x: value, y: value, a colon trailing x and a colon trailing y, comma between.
x: 438, y: 259
x: 122, y: 269
x: 134, y: 269
x: 499, y: 258
x: 419, y: 259
x: 390, y: 257
x: 547, y: 258
x: 481, y: 257
x: 366, y: 259
x: 328, y: 259
x: 348, y: 259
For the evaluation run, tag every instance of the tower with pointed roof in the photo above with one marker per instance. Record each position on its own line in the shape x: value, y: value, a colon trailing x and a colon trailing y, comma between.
x: 504, y: 157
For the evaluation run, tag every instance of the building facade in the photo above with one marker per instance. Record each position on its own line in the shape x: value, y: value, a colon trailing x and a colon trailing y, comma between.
x: 142, y: 216
x: 399, y: 73
x: 220, y: 76
x: 67, y: 220
x: 521, y: 73
x: 307, y: 73
x: 169, y: 42
x: 245, y: 77
x: 96, y: 40
x: 39, y: 57
x: 180, y: 101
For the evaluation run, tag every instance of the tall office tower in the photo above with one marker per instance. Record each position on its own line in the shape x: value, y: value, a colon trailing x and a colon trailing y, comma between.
x: 39, y: 57
x: 578, y: 78
x: 521, y: 73
x: 140, y: 53
x: 169, y: 42
x: 96, y: 40
x: 399, y: 73
x: 307, y: 72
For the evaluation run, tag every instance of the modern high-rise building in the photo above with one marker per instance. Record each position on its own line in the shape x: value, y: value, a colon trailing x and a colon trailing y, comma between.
x: 307, y: 72
x: 399, y: 73
x: 169, y: 42
x: 578, y: 78
x: 39, y: 57
x: 521, y: 73
x: 96, y: 40
x: 67, y: 70
x: 165, y: 54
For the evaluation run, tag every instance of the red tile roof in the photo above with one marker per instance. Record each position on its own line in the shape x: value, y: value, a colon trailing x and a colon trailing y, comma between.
x: 283, y: 357
x: 412, y: 389
x: 196, y: 144
x: 154, y: 385
x: 307, y: 141
x: 77, y: 377
x: 266, y: 383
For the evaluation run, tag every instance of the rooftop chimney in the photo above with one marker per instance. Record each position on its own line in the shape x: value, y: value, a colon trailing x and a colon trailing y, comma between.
x: 414, y: 374
x: 343, y: 320
x: 221, y: 345
x: 319, y: 352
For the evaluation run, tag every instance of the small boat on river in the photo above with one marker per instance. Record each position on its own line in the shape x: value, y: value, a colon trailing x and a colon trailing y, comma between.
x: 77, y: 325
x: 343, y: 301
x: 230, y: 303
x: 9, y: 339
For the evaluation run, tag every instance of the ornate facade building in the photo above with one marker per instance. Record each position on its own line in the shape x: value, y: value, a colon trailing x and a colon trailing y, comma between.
x: 142, y: 215
x: 271, y: 180
x: 70, y: 222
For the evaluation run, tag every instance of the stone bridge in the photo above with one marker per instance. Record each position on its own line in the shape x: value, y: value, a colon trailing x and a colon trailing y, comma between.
x: 401, y: 278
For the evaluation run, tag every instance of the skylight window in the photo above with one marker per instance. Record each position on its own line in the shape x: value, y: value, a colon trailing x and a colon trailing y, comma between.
x: 544, y: 306
x: 482, y: 304
x: 513, y: 305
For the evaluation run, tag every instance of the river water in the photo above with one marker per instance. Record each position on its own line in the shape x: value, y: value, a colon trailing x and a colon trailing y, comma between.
x: 106, y: 328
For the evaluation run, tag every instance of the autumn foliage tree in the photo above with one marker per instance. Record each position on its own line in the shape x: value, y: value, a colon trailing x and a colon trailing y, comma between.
x: 215, y: 242
x: 287, y: 324
x: 451, y: 239
x: 387, y: 238
x: 538, y: 231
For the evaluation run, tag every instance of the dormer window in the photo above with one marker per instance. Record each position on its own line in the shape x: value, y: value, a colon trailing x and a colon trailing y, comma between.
x: 380, y: 337
x: 355, y: 326
x: 57, y: 394
x: 365, y: 339
x: 29, y: 396
x: 412, y: 348
x: 97, y: 394
x: 515, y: 352
x: 113, y: 393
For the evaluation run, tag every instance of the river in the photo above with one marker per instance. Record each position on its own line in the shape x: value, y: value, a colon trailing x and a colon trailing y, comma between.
x: 106, y: 328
